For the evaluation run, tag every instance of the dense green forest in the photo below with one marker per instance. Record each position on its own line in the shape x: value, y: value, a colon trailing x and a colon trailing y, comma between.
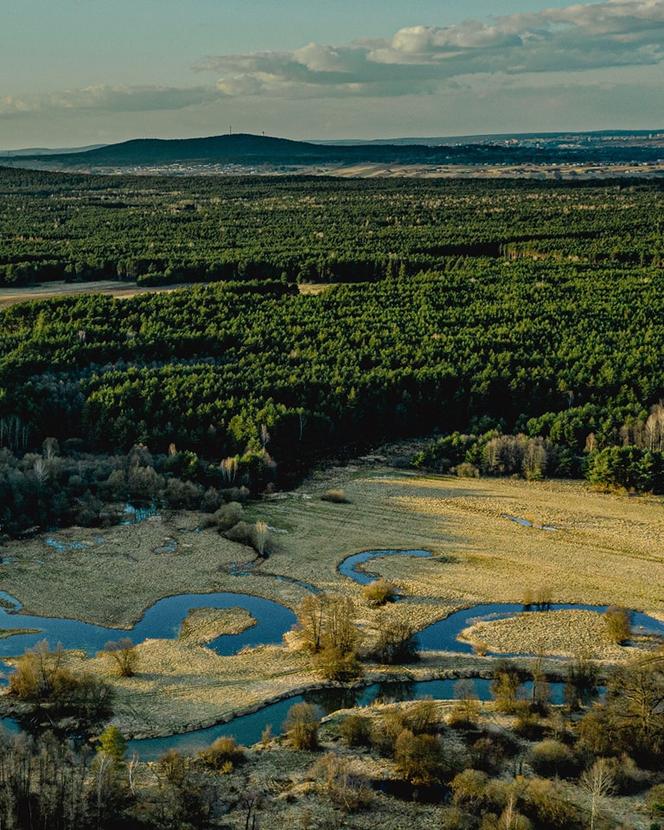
x: 545, y: 359
x: 55, y: 226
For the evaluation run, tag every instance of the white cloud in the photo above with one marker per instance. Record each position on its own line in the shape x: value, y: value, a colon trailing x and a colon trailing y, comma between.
x: 614, y: 33
x: 609, y: 42
x: 108, y: 99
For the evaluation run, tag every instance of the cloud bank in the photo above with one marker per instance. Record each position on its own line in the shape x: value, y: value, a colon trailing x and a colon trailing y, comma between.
x: 605, y: 42
x: 616, y: 33
x: 108, y: 99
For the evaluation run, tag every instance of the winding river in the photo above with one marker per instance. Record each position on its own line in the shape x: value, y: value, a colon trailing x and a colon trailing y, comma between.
x: 161, y: 621
x: 164, y: 619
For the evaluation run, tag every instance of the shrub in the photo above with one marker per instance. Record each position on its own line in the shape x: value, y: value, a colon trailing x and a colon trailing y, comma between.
x: 84, y: 698
x: 655, y: 801
x: 419, y: 758
x: 581, y: 683
x: 256, y: 536
x: 552, y: 758
x: 379, y: 593
x: 505, y: 687
x: 466, y: 710
x: 41, y: 678
x: 301, y: 726
x: 355, y: 730
x: 627, y: 778
x: 173, y: 766
x: 487, y: 754
x: 345, y: 788
x: 528, y: 724
x: 334, y: 664
x: 38, y: 674
x: 456, y: 819
x: 242, y: 533
x: 328, y: 622
x: 123, y: 653
x: 598, y: 732
x: 548, y: 805
x: 469, y: 788
x: 422, y: 717
x: 618, y: 625
x: 311, y: 619
x: 266, y: 736
x: 336, y: 496
x: 386, y: 729
x: 396, y: 642
x: 466, y: 470
x: 511, y: 819
x: 224, y: 754
x: 228, y: 515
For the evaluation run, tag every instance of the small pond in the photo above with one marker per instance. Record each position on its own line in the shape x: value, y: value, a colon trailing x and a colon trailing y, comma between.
x: 527, y: 523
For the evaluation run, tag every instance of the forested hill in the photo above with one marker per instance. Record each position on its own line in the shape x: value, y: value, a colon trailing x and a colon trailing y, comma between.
x: 265, y: 150
x: 522, y: 322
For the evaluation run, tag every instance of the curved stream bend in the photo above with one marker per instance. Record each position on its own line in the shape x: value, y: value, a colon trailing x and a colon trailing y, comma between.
x: 161, y: 621
x: 349, y: 566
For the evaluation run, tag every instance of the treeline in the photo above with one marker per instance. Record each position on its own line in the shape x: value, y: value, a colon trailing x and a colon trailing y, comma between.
x: 66, y: 487
x: 556, y: 352
x: 628, y: 456
x: 158, y: 231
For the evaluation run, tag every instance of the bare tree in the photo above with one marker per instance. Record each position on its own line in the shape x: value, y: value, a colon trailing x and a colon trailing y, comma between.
x: 229, y: 468
x: 310, y: 616
x: 598, y: 782
x: 261, y: 537
x: 124, y: 653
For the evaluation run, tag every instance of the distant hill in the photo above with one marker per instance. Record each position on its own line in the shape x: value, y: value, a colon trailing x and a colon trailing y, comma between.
x: 263, y: 151
x: 247, y: 149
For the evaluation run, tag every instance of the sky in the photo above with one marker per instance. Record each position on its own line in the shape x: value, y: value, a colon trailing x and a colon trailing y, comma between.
x: 79, y: 72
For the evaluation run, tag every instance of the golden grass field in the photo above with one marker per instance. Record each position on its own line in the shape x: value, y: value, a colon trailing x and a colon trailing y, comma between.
x: 606, y: 549
x: 563, y: 633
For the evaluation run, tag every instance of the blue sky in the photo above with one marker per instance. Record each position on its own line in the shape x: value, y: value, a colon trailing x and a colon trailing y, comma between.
x: 83, y: 71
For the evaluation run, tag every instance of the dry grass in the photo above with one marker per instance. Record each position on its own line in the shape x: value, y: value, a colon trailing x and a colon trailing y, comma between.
x: 607, y: 550
x: 564, y: 633
x: 118, y: 574
x: 205, y: 624
x: 180, y: 686
x: 315, y: 288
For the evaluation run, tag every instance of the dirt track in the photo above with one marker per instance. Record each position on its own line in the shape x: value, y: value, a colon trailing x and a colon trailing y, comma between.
x: 46, y: 291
